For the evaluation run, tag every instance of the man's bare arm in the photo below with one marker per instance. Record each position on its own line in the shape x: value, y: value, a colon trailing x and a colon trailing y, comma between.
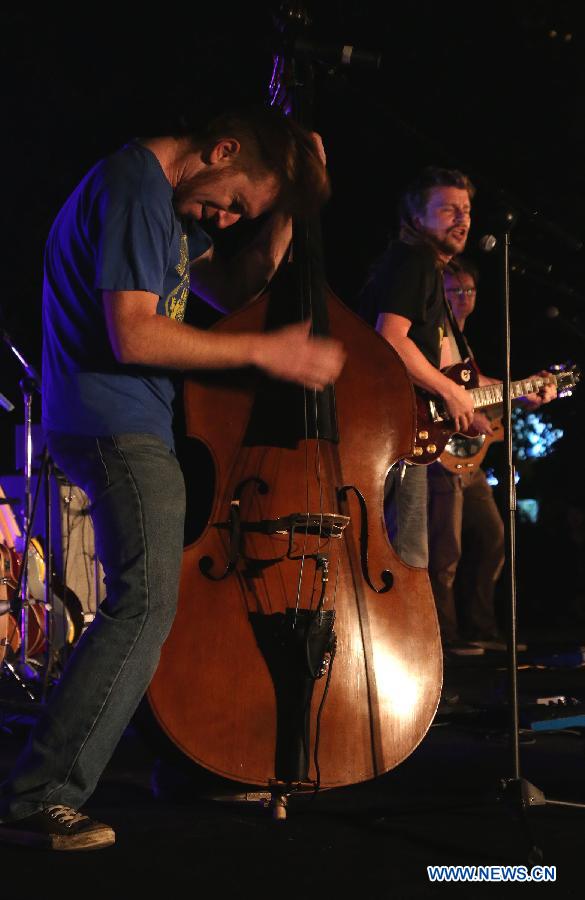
x: 394, y: 329
x: 227, y: 284
x: 139, y: 336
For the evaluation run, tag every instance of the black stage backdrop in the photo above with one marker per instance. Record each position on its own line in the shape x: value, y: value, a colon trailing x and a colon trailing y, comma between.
x: 495, y: 90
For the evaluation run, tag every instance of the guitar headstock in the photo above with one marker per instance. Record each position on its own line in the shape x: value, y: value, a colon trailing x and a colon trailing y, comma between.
x: 567, y: 375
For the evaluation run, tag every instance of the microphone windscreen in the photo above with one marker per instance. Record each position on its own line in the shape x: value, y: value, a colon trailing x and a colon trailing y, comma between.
x: 487, y: 243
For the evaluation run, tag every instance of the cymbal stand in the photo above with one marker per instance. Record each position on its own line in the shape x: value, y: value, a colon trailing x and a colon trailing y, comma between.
x: 29, y: 384
x: 20, y: 670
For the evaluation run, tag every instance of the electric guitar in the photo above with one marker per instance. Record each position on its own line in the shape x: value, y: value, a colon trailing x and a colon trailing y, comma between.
x: 467, y: 453
x: 434, y: 427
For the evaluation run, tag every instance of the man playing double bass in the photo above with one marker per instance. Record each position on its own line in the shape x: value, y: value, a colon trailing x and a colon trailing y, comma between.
x: 118, y: 263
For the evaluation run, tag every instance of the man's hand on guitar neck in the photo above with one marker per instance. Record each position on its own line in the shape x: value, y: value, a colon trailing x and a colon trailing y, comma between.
x: 547, y: 393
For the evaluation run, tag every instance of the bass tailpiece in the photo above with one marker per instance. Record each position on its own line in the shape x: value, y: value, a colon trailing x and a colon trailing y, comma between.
x: 298, y: 647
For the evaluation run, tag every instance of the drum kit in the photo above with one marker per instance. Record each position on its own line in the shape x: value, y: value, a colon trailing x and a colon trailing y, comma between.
x: 41, y: 619
x: 41, y: 631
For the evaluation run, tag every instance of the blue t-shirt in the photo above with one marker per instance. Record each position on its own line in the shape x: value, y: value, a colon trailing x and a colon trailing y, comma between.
x: 118, y: 231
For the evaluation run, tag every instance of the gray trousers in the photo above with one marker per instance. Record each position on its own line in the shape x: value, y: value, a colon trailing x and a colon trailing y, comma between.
x: 466, y: 539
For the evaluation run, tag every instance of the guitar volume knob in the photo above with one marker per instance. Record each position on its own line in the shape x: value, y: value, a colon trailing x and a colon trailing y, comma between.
x: 431, y: 448
x: 423, y: 435
x: 418, y: 451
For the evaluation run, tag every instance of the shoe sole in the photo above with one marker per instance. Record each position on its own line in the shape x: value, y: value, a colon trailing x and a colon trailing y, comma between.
x: 91, y: 840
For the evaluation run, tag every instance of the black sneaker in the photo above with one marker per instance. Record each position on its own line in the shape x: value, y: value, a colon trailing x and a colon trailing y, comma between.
x: 58, y: 827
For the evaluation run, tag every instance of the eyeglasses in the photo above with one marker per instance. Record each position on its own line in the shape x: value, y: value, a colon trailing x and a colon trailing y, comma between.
x: 461, y: 291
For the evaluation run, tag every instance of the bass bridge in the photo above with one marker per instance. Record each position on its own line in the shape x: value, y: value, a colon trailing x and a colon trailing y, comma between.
x: 323, y: 526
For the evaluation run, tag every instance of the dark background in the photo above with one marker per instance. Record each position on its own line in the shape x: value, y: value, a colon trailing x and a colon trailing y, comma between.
x: 494, y: 90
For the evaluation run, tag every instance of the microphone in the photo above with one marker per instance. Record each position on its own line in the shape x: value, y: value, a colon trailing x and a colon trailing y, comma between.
x: 556, y: 231
x: 487, y: 243
x: 337, y: 55
x: 521, y: 262
x: 508, y: 217
x: 554, y: 313
x: 5, y: 403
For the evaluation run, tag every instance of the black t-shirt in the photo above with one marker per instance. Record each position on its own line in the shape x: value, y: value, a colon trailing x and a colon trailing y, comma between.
x: 408, y: 282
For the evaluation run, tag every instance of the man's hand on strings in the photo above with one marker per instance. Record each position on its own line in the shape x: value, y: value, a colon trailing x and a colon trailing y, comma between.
x: 481, y: 423
x: 292, y: 354
x: 459, y: 405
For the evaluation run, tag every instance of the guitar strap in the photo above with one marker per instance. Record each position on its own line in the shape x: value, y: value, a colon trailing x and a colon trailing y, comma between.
x: 460, y: 339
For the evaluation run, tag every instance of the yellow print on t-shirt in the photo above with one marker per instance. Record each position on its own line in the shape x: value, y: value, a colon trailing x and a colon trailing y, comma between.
x: 176, y: 301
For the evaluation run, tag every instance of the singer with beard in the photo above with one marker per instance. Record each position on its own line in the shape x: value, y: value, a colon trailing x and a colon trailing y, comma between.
x: 120, y: 259
x: 405, y: 299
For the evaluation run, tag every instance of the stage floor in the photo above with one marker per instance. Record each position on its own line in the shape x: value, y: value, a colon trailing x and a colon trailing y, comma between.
x: 440, y: 807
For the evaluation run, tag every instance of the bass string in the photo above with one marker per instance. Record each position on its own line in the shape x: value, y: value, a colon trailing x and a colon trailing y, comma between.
x: 305, y: 290
x: 310, y: 396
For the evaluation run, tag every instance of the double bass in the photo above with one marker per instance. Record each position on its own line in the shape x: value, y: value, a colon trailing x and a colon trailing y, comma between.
x: 305, y: 653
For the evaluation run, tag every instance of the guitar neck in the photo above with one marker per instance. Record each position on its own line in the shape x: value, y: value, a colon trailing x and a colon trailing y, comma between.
x: 435, y: 427
x: 492, y: 394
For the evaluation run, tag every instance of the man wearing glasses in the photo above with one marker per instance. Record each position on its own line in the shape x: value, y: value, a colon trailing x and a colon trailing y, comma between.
x: 405, y: 299
x: 463, y: 512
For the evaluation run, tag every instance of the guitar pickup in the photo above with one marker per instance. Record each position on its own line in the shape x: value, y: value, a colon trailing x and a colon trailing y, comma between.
x: 436, y: 414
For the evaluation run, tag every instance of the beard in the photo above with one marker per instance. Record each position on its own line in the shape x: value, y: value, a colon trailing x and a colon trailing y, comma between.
x: 449, y: 245
x: 187, y: 190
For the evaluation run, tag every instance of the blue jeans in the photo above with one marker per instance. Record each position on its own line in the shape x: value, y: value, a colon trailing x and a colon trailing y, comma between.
x: 137, y: 494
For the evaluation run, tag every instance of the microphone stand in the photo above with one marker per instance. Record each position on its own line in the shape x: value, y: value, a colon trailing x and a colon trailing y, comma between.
x: 516, y: 790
